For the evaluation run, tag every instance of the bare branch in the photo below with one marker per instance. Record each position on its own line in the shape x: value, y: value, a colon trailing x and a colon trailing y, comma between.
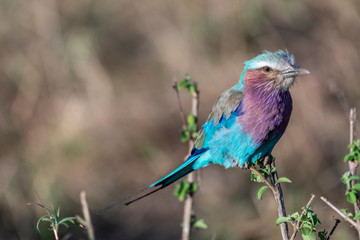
x: 87, y: 218
x: 344, y: 216
x: 181, y: 111
x: 297, y: 227
x: 337, y: 221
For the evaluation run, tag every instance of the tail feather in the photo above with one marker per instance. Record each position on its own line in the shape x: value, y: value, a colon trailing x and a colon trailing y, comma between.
x: 184, y: 169
x: 178, y: 173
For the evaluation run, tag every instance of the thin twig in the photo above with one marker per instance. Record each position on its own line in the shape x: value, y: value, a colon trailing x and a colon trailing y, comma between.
x: 263, y: 179
x: 188, y: 203
x: 279, y: 199
x: 344, y: 216
x: 181, y: 111
x: 87, y: 220
x: 337, y: 221
x: 353, y: 165
x: 55, y: 230
x: 297, y: 227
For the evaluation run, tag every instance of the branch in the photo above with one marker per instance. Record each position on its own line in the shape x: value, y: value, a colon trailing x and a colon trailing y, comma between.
x: 337, y: 221
x: 278, y: 195
x: 279, y: 199
x: 344, y: 216
x: 87, y: 220
x: 188, y: 204
x: 264, y: 179
x: 353, y: 165
x: 297, y: 227
x: 181, y: 111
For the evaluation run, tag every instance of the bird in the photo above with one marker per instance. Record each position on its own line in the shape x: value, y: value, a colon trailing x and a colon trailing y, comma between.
x: 246, y: 121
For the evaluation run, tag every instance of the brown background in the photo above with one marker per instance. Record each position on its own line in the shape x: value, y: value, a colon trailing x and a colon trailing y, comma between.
x: 86, y: 104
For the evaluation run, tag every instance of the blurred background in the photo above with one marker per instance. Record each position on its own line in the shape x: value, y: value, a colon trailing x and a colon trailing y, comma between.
x: 87, y: 104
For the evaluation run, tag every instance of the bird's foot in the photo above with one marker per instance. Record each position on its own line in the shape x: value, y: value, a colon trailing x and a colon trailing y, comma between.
x: 268, y: 159
x: 236, y: 164
x: 246, y: 166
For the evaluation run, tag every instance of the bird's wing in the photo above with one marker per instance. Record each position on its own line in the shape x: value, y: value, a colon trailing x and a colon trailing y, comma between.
x: 225, y: 108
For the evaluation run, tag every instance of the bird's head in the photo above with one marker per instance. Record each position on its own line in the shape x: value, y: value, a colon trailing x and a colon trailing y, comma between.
x: 272, y: 70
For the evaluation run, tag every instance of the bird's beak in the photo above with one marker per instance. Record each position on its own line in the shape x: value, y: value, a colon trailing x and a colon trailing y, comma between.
x: 295, y: 71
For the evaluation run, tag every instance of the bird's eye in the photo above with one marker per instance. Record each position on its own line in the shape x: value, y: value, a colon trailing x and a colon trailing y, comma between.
x: 267, y: 69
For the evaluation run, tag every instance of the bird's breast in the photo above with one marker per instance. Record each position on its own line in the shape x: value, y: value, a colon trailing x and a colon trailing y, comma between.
x: 265, y: 115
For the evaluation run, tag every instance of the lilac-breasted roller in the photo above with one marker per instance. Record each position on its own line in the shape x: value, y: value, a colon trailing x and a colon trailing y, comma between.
x: 247, y: 120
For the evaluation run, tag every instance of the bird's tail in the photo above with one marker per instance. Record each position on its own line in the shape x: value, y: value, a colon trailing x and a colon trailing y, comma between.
x: 184, y: 169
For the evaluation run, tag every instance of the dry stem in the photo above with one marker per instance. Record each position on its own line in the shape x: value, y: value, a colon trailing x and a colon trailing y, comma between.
x: 337, y: 221
x: 87, y: 220
x: 346, y: 218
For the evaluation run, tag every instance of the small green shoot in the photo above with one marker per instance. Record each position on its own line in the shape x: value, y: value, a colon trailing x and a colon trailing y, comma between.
x: 354, y: 154
x: 184, y: 188
x: 352, y: 192
x: 265, y: 172
x: 187, y: 83
x: 200, y: 224
x: 261, y: 191
x: 53, y: 218
x: 308, y: 222
x: 189, y: 131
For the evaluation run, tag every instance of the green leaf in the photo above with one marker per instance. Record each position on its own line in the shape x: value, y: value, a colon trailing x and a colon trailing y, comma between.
x: 283, y: 179
x: 345, y: 177
x: 344, y: 211
x: 354, y: 178
x: 351, y: 197
x: 357, y: 216
x: 200, y: 224
x: 58, y: 213
x: 181, y: 190
x: 185, y: 135
x: 322, y: 234
x: 282, y: 220
x: 67, y: 219
x: 356, y: 187
x: 192, y: 89
x: 309, y: 236
x: 193, y: 188
x: 191, y: 119
x: 184, y: 83
x: 41, y: 219
x: 294, y: 216
x: 305, y: 231
x: 255, y: 178
x: 261, y: 191
x: 348, y: 157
